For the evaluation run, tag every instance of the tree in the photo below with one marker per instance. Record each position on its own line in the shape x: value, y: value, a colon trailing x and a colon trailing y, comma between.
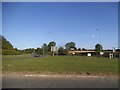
x: 98, y: 47
x: 51, y: 44
x: 0, y: 45
x: 7, y: 48
x: 39, y: 51
x: 44, y: 45
x: 16, y: 49
x: 61, y: 51
x: 28, y: 50
x: 83, y: 49
x: 79, y: 49
x: 70, y: 45
x: 6, y: 45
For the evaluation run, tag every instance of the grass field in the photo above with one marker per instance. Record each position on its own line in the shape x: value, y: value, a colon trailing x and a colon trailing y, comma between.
x: 59, y: 64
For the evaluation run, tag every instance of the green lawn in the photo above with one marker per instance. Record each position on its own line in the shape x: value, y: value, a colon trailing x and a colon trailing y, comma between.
x: 59, y: 64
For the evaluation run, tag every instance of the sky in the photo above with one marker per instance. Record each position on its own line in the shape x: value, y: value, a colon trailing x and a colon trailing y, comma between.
x: 30, y: 24
x: 1, y: 19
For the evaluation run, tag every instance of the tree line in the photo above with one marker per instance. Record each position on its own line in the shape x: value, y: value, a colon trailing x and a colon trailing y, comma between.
x: 8, y: 49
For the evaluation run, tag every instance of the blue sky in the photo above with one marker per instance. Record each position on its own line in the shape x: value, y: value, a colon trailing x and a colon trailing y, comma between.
x: 0, y: 18
x: 29, y: 25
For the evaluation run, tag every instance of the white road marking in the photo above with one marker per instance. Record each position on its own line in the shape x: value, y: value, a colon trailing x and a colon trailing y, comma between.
x: 88, y: 76
x: 63, y: 76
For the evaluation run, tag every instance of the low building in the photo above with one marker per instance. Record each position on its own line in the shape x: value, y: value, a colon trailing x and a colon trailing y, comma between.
x: 82, y: 52
x: 105, y: 53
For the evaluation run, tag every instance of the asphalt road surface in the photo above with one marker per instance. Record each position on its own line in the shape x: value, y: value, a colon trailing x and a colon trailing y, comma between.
x: 58, y: 81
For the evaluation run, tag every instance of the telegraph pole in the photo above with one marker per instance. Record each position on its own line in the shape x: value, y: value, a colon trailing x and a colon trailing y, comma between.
x: 99, y: 39
x: 43, y: 50
x: 53, y: 50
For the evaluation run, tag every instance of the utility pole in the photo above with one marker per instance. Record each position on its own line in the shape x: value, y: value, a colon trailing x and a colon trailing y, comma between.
x: 33, y: 52
x: 52, y: 50
x: 99, y: 39
x: 24, y: 51
x: 43, y: 50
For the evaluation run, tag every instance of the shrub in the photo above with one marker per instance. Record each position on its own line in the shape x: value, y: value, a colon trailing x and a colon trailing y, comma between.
x: 10, y: 52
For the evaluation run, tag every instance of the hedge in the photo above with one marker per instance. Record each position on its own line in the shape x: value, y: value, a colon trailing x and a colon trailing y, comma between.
x: 10, y: 52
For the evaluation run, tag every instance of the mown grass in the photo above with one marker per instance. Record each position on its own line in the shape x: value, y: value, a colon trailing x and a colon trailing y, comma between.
x: 59, y: 64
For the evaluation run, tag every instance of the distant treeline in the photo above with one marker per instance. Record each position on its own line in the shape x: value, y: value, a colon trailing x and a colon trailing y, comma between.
x: 7, y: 48
x: 45, y: 49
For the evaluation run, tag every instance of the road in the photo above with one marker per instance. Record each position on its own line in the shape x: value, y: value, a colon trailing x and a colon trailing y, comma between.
x: 58, y: 81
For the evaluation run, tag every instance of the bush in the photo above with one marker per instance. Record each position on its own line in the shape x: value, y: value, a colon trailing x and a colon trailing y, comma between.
x: 62, y: 51
x: 10, y: 52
